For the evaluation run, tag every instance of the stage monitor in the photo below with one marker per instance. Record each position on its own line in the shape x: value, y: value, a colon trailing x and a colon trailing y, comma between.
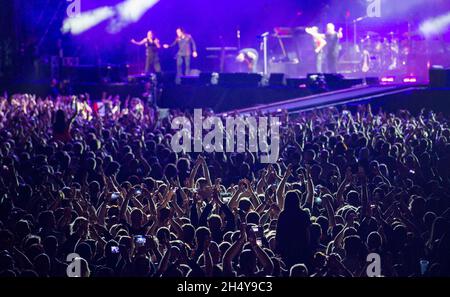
x: 277, y: 79
x: 240, y: 79
x: 439, y: 77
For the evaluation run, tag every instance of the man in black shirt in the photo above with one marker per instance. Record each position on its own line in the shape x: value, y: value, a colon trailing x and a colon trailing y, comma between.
x: 186, y: 48
x: 332, y: 48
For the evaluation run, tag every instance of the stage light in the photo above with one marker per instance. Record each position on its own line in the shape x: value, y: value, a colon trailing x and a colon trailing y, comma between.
x: 388, y: 79
x: 129, y: 12
x: 87, y: 20
x: 410, y: 79
x: 435, y: 26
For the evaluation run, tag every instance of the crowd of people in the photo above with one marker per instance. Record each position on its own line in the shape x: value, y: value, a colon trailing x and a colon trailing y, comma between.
x: 101, y: 182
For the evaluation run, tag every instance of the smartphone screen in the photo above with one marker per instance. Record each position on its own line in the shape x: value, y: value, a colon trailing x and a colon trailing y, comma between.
x: 140, y: 240
x: 259, y: 241
x: 255, y: 229
x: 114, y: 196
x: 114, y: 249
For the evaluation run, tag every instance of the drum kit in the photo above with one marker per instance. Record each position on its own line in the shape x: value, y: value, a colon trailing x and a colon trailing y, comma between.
x: 383, y: 53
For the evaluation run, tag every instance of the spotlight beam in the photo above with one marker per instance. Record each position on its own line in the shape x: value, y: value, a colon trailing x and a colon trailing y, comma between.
x: 87, y: 20
x: 121, y: 15
x: 129, y: 12
x: 435, y: 25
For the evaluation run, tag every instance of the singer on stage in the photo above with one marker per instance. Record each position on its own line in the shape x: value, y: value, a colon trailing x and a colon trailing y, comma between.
x: 319, y: 44
x: 332, y: 48
x: 152, y: 57
x: 186, y: 48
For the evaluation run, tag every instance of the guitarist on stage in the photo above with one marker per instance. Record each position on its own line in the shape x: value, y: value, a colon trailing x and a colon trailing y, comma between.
x: 319, y: 44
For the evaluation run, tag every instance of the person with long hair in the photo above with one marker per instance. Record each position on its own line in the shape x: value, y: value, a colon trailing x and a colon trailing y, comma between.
x: 61, y: 126
x: 152, y: 46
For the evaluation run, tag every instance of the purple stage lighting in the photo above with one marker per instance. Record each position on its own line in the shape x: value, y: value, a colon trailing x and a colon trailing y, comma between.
x: 87, y: 20
x: 387, y: 79
x: 435, y: 26
x: 121, y: 15
x: 129, y: 12
x: 410, y: 79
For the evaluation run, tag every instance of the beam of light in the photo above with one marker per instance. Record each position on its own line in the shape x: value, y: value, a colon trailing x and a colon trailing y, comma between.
x: 435, y: 26
x: 129, y: 12
x: 121, y: 15
x: 87, y: 20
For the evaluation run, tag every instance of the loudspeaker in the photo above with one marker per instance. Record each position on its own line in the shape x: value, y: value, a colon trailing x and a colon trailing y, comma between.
x: 190, y: 80
x: 331, y: 81
x: 240, y: 79
x: 277, y: 79
x: 82, y: 74
x: 297, y: 82
x: 114, y: 73
x: 439, y: 77
x: 205, y: 78
x: 372, y: 81
x: 167, y: 78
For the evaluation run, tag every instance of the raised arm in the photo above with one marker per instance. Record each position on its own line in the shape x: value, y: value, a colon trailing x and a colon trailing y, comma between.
x: 231, y: 253
x: 340, y: 34
x: 194, y: 47
x: 206, y: 171
x: 142, y: 42
x: 208, y: 259
x: 340, y: 193
x: 261, y: 254
x: 194, y: 174
x: 281, y: 187
x: 309, y: 203
x: 166, y: 258
x: 364, y: 194
x: 124, y: 206
x: 327, y: 199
